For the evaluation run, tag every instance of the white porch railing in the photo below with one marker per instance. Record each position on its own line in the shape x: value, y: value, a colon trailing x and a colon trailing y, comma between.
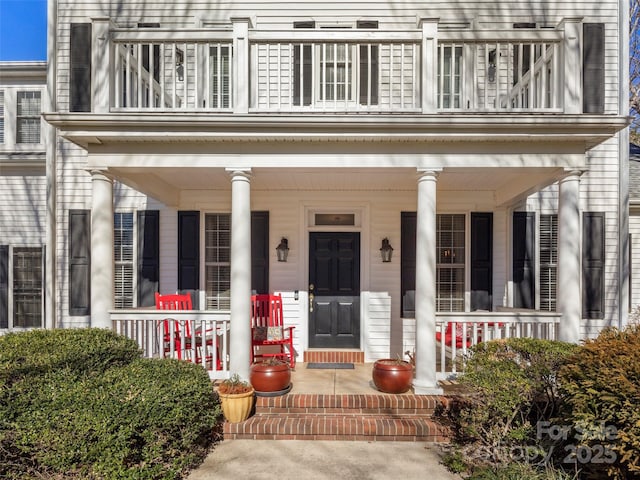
x: 456, y: 333
x: 196, y: 336
x: 339, y: 71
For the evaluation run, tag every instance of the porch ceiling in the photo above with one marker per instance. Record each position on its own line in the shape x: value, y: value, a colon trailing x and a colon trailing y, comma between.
x: 505, y: 184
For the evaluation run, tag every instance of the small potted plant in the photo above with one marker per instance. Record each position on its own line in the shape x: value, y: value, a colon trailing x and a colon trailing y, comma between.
x: 270, y: 377
x: 236, y: 397
x: 392, y: 375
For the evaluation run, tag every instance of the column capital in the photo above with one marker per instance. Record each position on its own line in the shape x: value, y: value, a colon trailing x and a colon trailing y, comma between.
x: 571, y: 174
x: 100, y: 174
x: 428, y: 173
x: 238, y: 172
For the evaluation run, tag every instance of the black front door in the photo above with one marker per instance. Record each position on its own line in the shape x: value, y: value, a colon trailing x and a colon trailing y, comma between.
x: 334, y: 282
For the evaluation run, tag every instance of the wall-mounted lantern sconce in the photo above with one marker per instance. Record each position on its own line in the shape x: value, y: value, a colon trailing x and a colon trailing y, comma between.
x: 386, y: 250
x: 283, y: 250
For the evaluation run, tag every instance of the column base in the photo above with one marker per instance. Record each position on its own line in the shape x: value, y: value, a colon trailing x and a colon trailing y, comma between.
x: 427, y: 388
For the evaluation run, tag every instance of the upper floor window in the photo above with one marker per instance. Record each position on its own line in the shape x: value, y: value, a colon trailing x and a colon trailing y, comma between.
x: 1, y: 116
x: 28, y: 117
x: 340, y: 72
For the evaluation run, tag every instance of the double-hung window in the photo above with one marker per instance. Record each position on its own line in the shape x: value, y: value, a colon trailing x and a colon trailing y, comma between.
x: 450, y: 76
x: 123, y: 253
x: 340, y: 72
x: 548, y: 234
x: 450, y: 268
x: 28, y: 117
x: 1, y: 116
x: 27, y: 287
x: 218, y: 260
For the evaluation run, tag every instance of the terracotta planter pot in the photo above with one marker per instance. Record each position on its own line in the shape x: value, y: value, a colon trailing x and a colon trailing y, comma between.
x: 392, y: 376
x: 270, y: 378
x: 236, y: 406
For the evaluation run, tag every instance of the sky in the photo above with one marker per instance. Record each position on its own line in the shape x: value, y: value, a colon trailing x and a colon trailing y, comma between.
x: 23, y: 30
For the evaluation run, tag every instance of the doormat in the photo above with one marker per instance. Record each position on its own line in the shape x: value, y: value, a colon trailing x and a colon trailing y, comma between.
x: 330, y: 365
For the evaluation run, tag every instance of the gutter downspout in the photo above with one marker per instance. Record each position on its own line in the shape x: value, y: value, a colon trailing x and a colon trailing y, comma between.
x: 623, y: 173
x: 51, y: 105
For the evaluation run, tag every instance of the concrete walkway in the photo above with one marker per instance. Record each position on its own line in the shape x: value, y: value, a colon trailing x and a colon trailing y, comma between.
x: 304, y: 459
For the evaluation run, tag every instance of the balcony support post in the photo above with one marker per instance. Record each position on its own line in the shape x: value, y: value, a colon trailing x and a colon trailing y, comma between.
x: 240, y: 70
x: 102, y: 268
x: 101, y: 60
x: 429, y: 75
x: 572, y: 54
x: 568, y: 293
x: 425, y: 381
x: 240, y: 329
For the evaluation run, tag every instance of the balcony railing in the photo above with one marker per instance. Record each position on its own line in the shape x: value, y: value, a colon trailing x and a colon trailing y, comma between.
x: 341, y: 71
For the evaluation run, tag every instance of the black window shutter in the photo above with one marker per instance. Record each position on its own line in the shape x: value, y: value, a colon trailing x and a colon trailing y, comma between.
x: 79, y: 262
x: 593, y: 260
x: 260, y: 252
x: 148, y: 257
x: 188, y: 250
x: 523, y: 259
x: 4, y: 286
x: 408, y: 231
x: 593, y: 68
x: 307, y: 68
x: 481, y: 261
x: 80, y: 68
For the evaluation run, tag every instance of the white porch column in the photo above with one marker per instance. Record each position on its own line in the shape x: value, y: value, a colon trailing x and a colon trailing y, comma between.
x: 425, y: 382
x: 101, y: 249
x: 569, y: 299
x: 240, y: 333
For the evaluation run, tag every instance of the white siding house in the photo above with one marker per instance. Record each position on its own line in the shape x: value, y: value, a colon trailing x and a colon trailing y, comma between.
x: 485, y: 140
x: 22, y: 195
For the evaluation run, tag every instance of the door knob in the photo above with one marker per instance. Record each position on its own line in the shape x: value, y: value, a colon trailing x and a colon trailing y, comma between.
x: 311, y: 298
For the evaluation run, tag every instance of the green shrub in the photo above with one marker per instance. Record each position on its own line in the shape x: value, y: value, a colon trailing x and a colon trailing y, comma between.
x: 138, y: 419
x: 81, y: 351
x: 518, y: 471
x: 511, y: 384
x: 601, y: 386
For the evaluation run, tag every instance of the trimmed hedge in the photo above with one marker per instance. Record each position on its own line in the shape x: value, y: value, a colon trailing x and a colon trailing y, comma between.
x: 601, y: 386
x: 66, y: 413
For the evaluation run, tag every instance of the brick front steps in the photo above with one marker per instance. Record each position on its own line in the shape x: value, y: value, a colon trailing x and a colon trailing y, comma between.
x: 342, y: 417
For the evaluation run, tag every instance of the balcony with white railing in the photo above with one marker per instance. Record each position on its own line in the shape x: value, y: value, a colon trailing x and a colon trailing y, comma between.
x: 423, y: 71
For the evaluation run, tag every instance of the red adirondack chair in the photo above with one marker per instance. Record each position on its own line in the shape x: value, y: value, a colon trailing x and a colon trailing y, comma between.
x: 267, y: 329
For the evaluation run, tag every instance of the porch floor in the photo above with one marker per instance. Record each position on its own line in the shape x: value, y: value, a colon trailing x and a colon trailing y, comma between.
x: 356, y: 381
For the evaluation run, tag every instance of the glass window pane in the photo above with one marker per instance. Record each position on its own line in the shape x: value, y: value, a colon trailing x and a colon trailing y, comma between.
x: 28, y: 117
x: 27, y: 287
x: 450, y: 275
x: 123, y: 258
x: 218, y: 261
